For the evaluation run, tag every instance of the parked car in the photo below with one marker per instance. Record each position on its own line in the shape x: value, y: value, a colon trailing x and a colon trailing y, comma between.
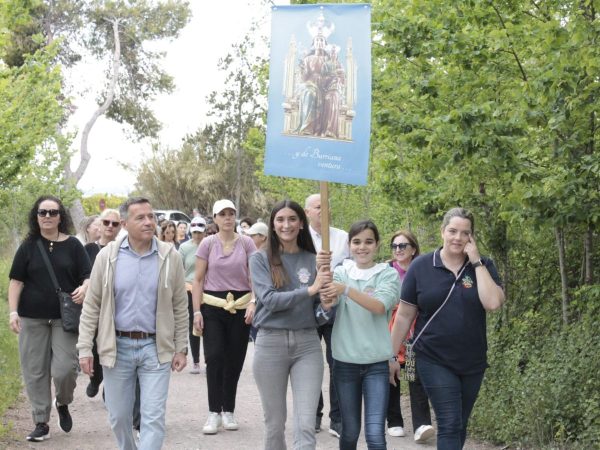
x: 173, y: 215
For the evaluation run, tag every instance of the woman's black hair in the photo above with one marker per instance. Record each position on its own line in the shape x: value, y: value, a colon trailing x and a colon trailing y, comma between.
x: 273, y: 247
x: 64, y: 226
x: 362, y: 225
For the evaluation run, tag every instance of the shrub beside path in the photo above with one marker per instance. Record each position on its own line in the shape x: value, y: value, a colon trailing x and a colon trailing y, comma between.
x: 186, y: 412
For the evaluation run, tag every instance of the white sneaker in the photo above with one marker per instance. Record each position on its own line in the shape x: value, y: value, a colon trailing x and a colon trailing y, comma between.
x: 195, y: 369
x: 396, y: 432
x: 229, y: 422
x: 423, y: 433
x: 213, y: 422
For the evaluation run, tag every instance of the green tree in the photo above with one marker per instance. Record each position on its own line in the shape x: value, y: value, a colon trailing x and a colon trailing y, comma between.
x: 185, y: 178
x: 91, y: 204
x: 118, y: 33
x: 42, y: 175
x: 124, y: 30
x: 29, y: 111
x: 236, y: 109
x: 492, y: 106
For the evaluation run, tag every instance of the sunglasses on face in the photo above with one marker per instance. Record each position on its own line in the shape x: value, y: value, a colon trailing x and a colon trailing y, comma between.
x: 109, y: 222
x: 402, y: 246
x: 46, y: 212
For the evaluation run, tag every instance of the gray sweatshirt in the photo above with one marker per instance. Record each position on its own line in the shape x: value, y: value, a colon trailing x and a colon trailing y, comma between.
x: 290, y: 307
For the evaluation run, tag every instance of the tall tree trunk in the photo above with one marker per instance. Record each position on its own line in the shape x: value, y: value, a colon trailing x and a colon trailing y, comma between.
x: 560, y: 242
x: 588, y: 277
x: 76, y: 210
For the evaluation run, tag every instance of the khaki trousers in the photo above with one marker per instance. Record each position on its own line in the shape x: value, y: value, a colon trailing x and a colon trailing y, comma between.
x: 47, y: 352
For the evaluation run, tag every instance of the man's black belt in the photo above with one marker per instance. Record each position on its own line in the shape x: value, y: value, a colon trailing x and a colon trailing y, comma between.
x: 135, y: 334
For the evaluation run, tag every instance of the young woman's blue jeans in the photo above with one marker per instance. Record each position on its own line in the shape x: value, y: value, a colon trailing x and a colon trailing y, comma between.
x: 452, y: 397
x: 352, y: 383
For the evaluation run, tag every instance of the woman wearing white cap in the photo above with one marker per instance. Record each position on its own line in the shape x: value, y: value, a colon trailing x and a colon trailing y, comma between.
x: 223, y: 308
x: 188, y: 250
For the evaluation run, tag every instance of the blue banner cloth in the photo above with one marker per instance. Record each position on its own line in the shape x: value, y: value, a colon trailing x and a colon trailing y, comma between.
x: 319, y: 116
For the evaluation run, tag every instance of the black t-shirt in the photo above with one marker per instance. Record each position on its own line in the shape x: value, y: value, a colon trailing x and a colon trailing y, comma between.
x: 71, y: 266
x: 456, y: 337
x: 92, y: 249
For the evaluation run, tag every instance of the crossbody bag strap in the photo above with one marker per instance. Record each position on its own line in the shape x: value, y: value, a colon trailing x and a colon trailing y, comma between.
x: 48, y: 265
x: 442, y: 305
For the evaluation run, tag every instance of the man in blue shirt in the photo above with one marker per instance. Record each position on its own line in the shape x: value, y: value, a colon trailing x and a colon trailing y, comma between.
x: 138, y: 304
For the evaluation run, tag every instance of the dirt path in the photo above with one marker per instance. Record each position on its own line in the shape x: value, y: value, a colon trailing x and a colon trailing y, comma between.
x: 186, y: 413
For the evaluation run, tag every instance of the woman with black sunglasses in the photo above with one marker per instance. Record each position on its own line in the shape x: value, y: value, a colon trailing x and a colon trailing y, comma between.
x: 46, y: 350
x: 405, y: 248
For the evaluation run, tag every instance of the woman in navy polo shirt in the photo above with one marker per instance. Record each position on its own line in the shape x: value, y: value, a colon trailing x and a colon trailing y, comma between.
x: 451, y: 351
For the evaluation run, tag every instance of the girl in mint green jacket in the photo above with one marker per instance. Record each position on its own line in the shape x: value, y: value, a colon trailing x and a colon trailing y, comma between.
x: 361, y: 345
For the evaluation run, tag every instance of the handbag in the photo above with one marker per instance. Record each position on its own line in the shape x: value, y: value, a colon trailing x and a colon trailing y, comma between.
x: 410, y: 359
x: 70, y: 312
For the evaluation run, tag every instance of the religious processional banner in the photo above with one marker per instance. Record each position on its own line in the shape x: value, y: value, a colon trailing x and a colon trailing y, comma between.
x: 319, y: 117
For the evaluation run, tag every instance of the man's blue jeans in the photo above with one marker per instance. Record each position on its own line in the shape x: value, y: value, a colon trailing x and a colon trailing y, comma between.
x: 352, y: 383
x: 452, y: 397
x: 137, y: 359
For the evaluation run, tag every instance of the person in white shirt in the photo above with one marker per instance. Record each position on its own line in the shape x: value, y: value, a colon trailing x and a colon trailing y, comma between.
x: 338, y: 244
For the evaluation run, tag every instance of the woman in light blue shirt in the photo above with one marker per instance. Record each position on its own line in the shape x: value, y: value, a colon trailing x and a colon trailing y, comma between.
x: 361, y: 344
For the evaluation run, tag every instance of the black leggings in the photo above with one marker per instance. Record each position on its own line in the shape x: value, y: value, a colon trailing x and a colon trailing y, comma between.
x: 194, y: 340
x: 225, y: 344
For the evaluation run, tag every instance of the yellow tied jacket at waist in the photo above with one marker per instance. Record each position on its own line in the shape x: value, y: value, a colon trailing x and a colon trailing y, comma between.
x: 228, y: 303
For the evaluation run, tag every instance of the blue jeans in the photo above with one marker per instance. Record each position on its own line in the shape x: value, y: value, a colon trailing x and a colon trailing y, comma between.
x: 334, y: 408
x: 352, y: 382
x: 452, y: 397
x: 137, y: 359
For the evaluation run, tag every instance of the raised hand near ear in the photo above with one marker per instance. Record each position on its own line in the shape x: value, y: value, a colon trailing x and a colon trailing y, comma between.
x: 471, y: 250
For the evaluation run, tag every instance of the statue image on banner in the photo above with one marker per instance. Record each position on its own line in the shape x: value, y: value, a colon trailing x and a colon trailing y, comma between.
x: 319, y: 90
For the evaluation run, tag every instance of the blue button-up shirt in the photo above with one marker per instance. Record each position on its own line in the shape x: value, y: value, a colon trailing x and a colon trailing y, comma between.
x: 136, y: 289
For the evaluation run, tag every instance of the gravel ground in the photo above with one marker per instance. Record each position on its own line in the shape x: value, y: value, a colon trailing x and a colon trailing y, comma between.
x: 186, y: 413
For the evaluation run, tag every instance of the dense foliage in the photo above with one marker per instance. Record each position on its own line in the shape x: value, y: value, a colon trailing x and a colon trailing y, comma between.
x: 493, y: 106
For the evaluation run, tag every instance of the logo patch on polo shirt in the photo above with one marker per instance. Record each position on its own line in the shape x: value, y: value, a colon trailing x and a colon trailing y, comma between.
x: 369, y: 291
x: 303, y: 275
x: 467, y: 282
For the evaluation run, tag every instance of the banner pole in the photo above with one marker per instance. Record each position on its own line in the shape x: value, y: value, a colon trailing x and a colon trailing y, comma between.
x: 324, y: 188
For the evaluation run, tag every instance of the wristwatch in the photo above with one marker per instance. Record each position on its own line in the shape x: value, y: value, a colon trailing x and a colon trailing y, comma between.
x: 478, y: 263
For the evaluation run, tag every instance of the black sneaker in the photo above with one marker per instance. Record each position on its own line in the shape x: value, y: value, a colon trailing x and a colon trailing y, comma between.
x: 318, y: 424
x: 335, y: 429
x: 41, y: 433
x: 92, y: 389
x: 65, y: 422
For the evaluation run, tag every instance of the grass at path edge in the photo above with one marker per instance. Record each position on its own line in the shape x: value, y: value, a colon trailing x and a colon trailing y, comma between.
x: 10, y: 371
